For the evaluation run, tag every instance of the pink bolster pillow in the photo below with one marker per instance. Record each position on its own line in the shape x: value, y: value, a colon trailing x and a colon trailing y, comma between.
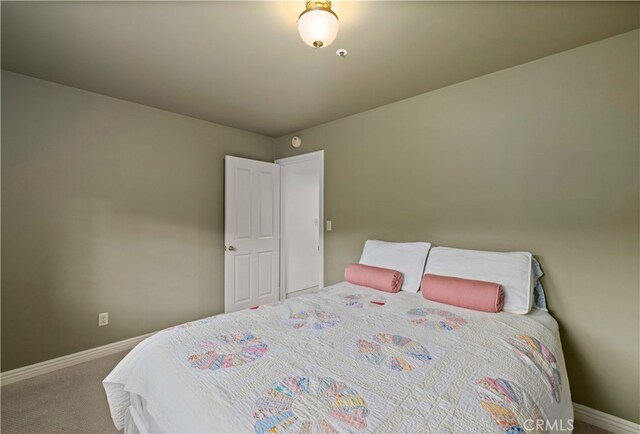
x: 382, y: 279
x: 471, y: 294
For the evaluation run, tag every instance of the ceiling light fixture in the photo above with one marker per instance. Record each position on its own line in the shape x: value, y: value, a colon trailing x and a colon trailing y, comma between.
x: 318, y: 24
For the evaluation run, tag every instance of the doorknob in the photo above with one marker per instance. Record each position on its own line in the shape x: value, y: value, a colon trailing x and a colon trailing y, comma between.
x: 231, y: 248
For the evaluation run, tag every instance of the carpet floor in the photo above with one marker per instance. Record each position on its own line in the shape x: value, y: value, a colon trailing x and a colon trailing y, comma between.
x: 72, y: 401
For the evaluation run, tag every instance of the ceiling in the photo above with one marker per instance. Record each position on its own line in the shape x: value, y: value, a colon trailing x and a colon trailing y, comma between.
x: 242, y: 64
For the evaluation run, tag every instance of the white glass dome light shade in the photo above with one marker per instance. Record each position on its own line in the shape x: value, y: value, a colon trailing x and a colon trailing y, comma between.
x: 318, y: 24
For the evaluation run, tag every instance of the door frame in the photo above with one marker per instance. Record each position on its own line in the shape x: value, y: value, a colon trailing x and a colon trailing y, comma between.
x: 318, y: 155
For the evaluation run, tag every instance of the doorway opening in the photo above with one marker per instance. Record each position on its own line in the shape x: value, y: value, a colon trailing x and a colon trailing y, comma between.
x: 302, y: 223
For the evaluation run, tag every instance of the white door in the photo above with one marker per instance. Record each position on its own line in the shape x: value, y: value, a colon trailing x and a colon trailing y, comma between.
x: 302, y: 230
x: 252, y: 233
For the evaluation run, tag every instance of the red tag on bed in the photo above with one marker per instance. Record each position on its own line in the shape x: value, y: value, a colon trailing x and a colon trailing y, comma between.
x: 379, y: 303
x: 254, y: 307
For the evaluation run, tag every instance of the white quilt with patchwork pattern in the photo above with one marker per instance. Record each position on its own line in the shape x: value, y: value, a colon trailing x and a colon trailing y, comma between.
x: 349, y: 359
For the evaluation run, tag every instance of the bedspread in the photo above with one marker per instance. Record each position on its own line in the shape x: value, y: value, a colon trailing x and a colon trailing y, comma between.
x: 349, y: 359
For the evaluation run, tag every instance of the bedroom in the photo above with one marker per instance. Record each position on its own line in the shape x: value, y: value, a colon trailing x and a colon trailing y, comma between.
x: 479, y: 126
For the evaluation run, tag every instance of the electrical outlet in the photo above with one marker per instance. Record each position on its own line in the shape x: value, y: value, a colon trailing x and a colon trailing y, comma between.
x: 103, y: 319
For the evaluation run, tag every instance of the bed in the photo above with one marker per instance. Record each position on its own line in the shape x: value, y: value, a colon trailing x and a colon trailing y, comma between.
x: 347, y: 359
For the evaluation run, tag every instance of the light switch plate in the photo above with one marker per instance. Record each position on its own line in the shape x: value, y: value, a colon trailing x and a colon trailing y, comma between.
x: 329, y: 226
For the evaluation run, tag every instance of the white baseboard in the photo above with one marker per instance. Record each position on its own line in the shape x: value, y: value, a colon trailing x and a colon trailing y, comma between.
x: 70, y: 360
x: 603, y: 420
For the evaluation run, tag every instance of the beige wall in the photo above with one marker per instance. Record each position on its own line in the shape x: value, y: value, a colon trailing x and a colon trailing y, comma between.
x: 540, y: 157
x: 106, y: 206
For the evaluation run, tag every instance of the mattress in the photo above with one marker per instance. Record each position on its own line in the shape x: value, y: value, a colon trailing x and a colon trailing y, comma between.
x: 347, y: 359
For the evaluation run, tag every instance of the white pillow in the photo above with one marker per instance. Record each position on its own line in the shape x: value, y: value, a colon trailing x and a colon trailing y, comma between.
x: 512, y: 270
x: 407, y: 258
